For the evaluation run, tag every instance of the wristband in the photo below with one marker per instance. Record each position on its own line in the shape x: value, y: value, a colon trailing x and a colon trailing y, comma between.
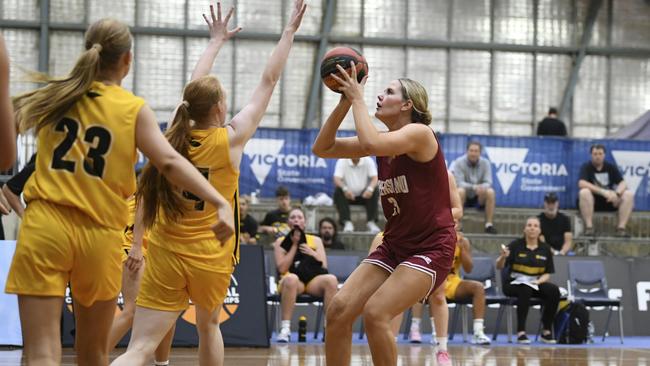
x: 370, y: 189
x: 344, y: 188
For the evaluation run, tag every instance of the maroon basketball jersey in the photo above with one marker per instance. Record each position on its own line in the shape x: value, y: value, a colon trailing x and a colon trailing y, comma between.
x: 415, y: 200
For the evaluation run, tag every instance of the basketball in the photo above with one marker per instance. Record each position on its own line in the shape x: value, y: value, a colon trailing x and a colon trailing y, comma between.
x: 341, y: 56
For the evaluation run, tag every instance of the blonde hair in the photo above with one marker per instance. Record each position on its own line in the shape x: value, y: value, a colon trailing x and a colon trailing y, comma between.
x: 416, y: 93
x: 199, y: 96
x: 106, y: 41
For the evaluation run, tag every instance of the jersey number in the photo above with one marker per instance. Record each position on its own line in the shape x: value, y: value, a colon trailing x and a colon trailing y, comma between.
x: 199, y: 204
x: 94, y: 162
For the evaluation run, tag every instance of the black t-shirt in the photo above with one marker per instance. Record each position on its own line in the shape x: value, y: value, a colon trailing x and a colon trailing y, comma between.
x: 529, y: 262
x: 336, y: 244
x: 278, y: 219
x: 608, y: 177
x: 248, y: 225
x: 551, y: 127
x: 554, y: 229
x: 17, y: 183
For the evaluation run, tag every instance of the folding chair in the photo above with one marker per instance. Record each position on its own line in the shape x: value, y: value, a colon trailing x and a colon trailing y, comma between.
x: 484, y: 272
x: 588, y: 285
x: 273, y: 297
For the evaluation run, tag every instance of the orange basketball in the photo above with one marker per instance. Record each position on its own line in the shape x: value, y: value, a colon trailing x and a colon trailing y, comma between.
x: 341, y: 56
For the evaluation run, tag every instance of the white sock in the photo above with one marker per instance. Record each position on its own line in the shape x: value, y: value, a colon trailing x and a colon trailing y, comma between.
x: 478, y: 326
x: 286, y: 324
x: 433, y: 327
x: 488, y: 224
x: 442, y: 344
x: 161, y: 363
x: 415, y: 323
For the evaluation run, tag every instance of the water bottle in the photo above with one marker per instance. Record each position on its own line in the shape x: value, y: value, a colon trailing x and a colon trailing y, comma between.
x: 302, y: 329
x: 590, y: 332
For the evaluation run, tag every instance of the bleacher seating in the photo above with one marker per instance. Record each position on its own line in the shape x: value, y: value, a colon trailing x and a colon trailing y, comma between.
x: 509, y: 222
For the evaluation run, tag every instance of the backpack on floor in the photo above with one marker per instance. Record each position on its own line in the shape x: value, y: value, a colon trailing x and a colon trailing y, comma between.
x: 572, y: 324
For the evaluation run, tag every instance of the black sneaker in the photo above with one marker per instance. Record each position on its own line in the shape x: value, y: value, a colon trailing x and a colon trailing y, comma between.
x: 523, y: 339
x: 548, y: 339
x: 622, y: 233
x: 490, y: 229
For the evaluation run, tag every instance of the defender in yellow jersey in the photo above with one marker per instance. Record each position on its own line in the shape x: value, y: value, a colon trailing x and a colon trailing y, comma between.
x: 184, y: 262
x: 88, y: 128
x: 302, y: 264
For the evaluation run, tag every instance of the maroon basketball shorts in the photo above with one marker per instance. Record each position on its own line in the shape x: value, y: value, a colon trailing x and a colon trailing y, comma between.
x: 433, y: 260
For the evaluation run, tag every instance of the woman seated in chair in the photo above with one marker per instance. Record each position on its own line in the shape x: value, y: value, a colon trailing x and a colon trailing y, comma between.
x: 302, y: 264
x: 530, y: 263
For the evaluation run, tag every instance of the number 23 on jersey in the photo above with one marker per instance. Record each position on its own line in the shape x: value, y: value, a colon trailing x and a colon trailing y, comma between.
x: 96, y: 138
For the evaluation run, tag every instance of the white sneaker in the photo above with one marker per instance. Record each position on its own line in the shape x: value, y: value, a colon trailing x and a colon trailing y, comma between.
x: 373, y: 228
x: 415, y: 336
x: 284, y: 336
x: 481, y: 339
x: 348, y: 227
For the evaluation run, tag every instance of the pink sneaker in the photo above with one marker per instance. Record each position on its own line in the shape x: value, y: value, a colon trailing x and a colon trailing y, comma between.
x: 442, y: 358
x: 415, y: 336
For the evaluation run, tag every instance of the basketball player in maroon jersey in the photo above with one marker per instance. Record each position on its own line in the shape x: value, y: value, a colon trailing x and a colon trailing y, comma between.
x: 419, y: 238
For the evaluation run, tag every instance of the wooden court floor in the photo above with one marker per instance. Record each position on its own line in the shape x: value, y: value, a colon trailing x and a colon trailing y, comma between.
x: 420, y: 355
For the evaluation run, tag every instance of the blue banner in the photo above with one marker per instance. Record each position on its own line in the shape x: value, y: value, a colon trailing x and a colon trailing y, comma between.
x: 524, y: 169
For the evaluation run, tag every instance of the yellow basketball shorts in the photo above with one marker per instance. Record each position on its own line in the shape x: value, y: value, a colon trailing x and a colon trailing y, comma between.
x: 451, y: 286
x: 171, y: 279
x: 60, y: 244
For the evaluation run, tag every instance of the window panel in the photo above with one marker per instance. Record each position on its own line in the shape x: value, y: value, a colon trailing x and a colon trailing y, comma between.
x: 555, y: 23
x: 250, y: 56
x: 429, y: 67
x: 124, y: 10
x: 513, y: 21
x: 471, y: 20
x: 513, y: 86
x: 198, y: 7
x: 552, y: 76
x: 23, y: 55
x: 65, y: 48
x: 296, y: 83
x: 67, y: 11
x: 166, y: 14
x: 630, y: 93
x: 347, y: 21
x: 427, y: 19
x: 260, y: 15
x: 20, y: 9
x: 159, y: 72
x: 631, y: 23
x: 384, y: 18
x: 470, y: 85
x: 589, y: 96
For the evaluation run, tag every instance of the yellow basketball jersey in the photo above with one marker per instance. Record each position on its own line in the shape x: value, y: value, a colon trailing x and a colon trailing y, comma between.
x: 311, y: 241
x: 455, y: 267
x: 86, y: 160
x: 210, y: 153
